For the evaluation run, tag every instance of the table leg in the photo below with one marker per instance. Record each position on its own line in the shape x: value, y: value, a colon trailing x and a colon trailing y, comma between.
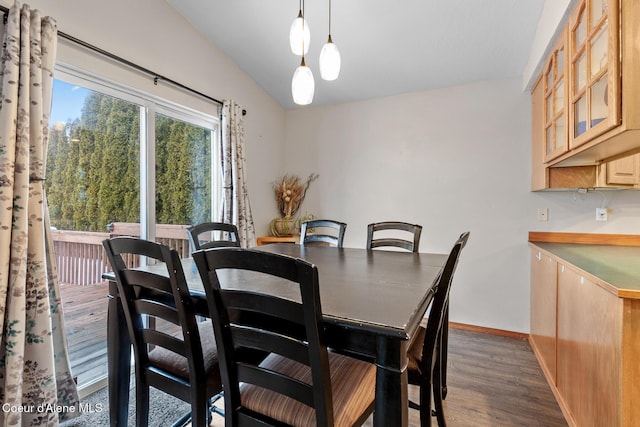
x: 392, y: 401
x: 119, y: 360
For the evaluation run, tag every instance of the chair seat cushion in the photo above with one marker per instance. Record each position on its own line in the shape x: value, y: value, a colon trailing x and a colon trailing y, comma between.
x: 352, y: 384
x: 178, y: 364
x: 415, y: 351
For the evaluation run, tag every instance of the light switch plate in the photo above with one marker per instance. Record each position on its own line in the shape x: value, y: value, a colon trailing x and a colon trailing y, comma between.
x: 601, y: 214
x: 543, y: 214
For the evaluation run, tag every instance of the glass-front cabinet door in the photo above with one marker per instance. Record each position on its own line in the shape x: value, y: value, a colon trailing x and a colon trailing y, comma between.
x: 555, y: 94
x: 595, y: 70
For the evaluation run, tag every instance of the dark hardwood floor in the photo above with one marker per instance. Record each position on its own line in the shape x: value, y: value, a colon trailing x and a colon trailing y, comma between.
x: 492, y: 381
x: 496, y: 381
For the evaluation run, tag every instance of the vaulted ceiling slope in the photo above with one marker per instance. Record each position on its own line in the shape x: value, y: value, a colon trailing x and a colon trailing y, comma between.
x: 388, y: 47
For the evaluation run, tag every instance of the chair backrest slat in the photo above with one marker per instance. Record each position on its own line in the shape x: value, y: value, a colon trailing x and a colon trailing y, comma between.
x: 285, y: 385
x: 213, y: 235
x: 271, y: 342
x: 317, y: 231
x: 411, y: 244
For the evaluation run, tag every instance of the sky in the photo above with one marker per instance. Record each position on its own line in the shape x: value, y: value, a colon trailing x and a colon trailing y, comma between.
x: 67, y: 101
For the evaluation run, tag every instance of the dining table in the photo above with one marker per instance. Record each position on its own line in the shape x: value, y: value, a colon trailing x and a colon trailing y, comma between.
x: 372, y: 303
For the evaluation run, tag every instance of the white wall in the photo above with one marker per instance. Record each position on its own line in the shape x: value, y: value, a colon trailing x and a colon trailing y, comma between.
x: 452, y: 160
x: 152, y: 34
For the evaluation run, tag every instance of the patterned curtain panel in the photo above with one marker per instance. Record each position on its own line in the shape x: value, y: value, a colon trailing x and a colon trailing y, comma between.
x: 36, y: 387
x: 235, y: 207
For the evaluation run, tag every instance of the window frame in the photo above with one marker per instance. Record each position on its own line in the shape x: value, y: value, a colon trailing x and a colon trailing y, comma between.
x: 150, y: 105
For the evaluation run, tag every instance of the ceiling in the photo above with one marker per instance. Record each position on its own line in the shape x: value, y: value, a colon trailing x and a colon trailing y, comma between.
x: 388, y: 47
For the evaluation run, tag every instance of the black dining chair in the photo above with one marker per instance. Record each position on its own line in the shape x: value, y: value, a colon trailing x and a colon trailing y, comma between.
x: 323, y: 231
x: 405, y: 236
x: 427, y: 357
x: 299, y: 383
x: 212, y: 235
x: 182, y: 364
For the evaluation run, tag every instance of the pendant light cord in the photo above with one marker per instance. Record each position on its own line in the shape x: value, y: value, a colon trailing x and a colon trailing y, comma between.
x: 329, y: 18
x: 303, y: 21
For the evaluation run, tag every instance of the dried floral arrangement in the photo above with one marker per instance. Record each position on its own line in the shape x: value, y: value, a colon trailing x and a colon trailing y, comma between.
x: 290, y: 192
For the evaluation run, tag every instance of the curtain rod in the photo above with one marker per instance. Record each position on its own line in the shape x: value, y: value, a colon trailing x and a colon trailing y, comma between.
x: 156, y: 76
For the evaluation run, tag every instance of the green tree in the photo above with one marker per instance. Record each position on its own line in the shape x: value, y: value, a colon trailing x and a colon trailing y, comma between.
x: 93, y: 168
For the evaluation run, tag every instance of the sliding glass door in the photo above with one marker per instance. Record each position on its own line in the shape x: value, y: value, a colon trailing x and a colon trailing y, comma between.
x: 119, y: 163
x: 92, y: 182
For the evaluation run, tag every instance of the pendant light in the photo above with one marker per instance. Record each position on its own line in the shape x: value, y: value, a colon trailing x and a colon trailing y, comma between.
x: 302, y: 84
x: 329, y: 57
x: 299, y: 35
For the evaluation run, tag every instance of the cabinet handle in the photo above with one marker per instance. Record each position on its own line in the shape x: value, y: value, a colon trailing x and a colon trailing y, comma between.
x: 539, y: 256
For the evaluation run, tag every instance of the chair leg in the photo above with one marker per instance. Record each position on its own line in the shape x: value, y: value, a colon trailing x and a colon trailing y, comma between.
x: 200, y: 410
x: 425, y: 401
x: 142, y: 403
x: 437, y: 392
x: 425, y: 405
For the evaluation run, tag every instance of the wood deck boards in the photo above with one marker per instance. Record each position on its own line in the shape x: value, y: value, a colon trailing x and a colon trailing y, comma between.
x: 85, y: 318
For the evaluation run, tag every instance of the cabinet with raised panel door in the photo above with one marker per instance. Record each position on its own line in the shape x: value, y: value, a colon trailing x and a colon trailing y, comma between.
x: 624, y: 172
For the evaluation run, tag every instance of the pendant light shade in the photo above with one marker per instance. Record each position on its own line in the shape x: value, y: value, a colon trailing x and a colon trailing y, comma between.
x: 302, y: 85
x: 329, y: 57
x: 299, y: 35
x: 329, y: 61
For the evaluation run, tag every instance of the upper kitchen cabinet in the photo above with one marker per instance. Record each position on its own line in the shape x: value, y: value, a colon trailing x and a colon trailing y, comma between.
x: 555, y: 95
x: 595, y: 101
x: 589, y: 114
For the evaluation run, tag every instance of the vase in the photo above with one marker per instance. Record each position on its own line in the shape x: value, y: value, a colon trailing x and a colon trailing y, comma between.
x: 282, y: 226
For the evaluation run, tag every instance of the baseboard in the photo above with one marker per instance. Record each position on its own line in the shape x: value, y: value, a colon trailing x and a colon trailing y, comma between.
x: 493, y: 331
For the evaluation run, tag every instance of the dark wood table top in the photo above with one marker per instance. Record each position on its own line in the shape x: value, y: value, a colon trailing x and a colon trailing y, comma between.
x: 379, y: 290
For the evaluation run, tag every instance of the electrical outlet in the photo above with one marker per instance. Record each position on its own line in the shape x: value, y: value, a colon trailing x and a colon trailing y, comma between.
x: 543, y: 214
x: 601, y: 214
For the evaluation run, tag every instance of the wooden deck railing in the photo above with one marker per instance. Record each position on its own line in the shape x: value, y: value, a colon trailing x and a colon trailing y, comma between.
x: 80, y: 257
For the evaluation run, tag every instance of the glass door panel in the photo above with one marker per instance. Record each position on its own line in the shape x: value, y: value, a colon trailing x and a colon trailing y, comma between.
x: 556, y: 142
x: 599, y: 101
x: 598, y: 9
x: 580, y: 73
x: 92, y: 182
x: 580, y: 33
x: 580, y: 114
x: 183, y: 179
x: 560, y: 133
x: 558, y: 99
x: 599, y: 52
x: 595, y: 66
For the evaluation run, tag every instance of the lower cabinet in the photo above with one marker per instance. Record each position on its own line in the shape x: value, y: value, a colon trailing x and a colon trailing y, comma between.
x: 587, y: 340
x: 624, y: 172
x: 543, y: 310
